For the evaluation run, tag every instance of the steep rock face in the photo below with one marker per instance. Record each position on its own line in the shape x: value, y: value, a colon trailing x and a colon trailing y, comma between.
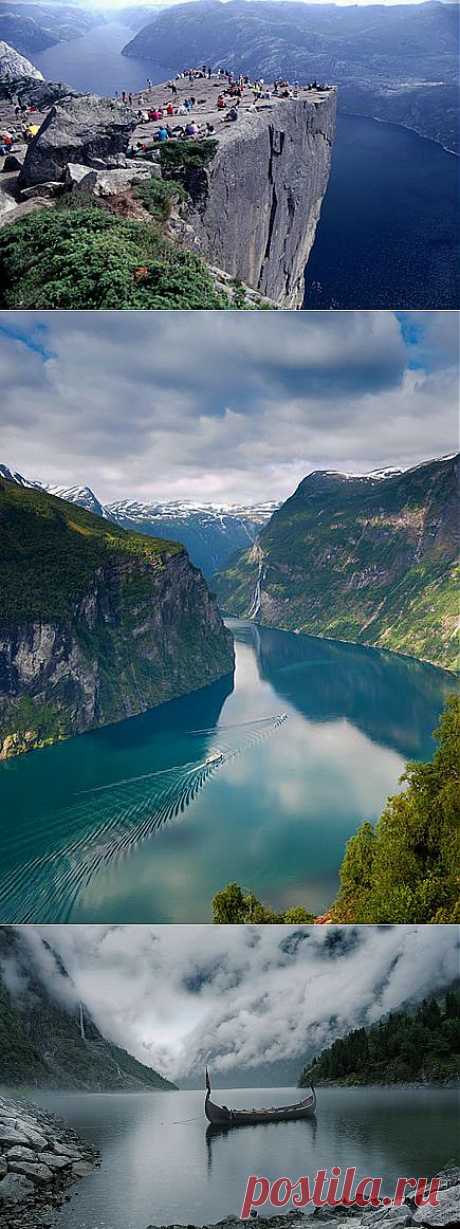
x: 14, y: 66
x: 96, y: 625
x: 48, y: 1039
x: 77, y: 129
x: 260, y: 199
x: 366, y: 559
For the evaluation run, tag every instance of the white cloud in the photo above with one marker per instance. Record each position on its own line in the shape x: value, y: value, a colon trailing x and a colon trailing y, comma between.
x: 238, y: 996
x: 225, y: 406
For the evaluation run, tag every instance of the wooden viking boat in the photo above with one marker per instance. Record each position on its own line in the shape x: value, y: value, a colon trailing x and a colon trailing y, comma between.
x: 221, y: 1116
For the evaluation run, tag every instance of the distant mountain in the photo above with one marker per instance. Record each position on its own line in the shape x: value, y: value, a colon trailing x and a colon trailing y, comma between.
x: 14, y: 66
x: 47, y: 1038
x: 32, y: 27
x: 211, y: 533
x: 371, y: 559
x: 394, y: 62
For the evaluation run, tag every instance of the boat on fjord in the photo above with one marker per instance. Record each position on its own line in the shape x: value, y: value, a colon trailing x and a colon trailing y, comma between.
x: 221, y: 1116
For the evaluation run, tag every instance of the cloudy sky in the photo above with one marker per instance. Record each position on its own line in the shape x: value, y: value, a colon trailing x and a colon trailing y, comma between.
x: 218, y: 406
x: 242, y: 996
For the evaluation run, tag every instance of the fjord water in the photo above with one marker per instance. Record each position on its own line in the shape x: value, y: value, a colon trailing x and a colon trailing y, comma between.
x: 387, y: 235
x: 260, y: 778
x: 160, y: 1165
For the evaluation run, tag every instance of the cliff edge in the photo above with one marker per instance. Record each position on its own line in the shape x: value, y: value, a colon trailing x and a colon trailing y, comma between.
x: 261, y: 204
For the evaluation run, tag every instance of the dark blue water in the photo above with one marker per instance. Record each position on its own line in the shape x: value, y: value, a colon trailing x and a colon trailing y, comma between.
x: 161, y: 1166
x: 94, y: 62
x: 388, y: 234
x: 144, y: 821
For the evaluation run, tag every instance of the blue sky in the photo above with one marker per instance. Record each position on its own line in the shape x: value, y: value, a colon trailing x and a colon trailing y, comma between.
x: 228, y: 407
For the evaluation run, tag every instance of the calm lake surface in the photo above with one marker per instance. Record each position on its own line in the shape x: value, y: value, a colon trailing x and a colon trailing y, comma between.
x: 387, y: 236
x: 159, y: 1164
x: 260, y: 778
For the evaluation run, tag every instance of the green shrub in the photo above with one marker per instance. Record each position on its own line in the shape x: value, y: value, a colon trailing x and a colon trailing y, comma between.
x: 158, y: 196
x: 88, y: 258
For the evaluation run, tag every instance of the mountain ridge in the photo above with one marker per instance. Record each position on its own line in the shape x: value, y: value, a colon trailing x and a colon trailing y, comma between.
x: 361, y: 558
x: 210, y: 532
x: 47, y: 1038
x: 96, y: 624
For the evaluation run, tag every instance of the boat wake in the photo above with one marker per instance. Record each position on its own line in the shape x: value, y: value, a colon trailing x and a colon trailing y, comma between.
x: 110, y: 822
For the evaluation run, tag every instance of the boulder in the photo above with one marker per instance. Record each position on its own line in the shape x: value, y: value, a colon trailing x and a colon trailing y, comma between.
x: 19, y: 1153
x: 9, y: 1135
x: 110, y: 183
x: 81, y: 1169
x: 449, y: 1177
x: 15, y: 1188
x: 73, y: 174
x: 14, y: 161
x: 33, y: 1137
x: 446, y: 1214
x: 34, y: 1170
x: 76, y: 130
x: 3, y: 1166
x: 55, y: 1162
x: 48, y: 191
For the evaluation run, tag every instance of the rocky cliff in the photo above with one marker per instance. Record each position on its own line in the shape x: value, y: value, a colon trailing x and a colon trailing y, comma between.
x: 96, y: 624
x: 257, y: 209
x: 366, y: 559
x: 48, y: 1038
x: 14, y: 66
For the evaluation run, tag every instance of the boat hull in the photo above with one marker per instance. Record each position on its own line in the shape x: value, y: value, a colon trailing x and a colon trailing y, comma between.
x: 221, y: 1116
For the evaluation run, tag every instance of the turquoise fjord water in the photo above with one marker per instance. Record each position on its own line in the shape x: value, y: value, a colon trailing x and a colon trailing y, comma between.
x: 388, y: 228
x: 260, y: 778
x: 160, y: 1165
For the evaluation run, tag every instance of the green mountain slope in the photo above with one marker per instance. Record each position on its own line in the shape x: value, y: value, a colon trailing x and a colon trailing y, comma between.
x: 96, y: 624
x: 372, y: 560
x: 420, y: 1045
x: 41, y: 1040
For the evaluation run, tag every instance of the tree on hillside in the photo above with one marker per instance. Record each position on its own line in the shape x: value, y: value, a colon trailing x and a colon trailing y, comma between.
x: 233, y: 907
x: 422, y: 1045
x: 407, y: 868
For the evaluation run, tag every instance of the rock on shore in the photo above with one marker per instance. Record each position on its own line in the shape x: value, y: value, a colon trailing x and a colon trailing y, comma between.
x: 445, y: 1216
x: 40, y: 1158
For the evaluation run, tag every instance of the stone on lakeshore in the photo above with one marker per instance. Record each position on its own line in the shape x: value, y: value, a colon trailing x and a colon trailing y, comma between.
x: 20, y: 1153
x: 81, y: 1169
x: 76, y: 130
x: 54, y: 1161
x: 449, y: 1177
x: 3, y: 1166
x: 15, y: 1188
x: 446, y: 1214
x: 9, y: 1135
x: 33, y: 1137
x: 35, y: 1171
x: 65, y: 1150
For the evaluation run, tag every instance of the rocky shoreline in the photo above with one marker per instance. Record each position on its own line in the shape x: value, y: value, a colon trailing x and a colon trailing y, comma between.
x: 445, y: 1216
x: 40, y: 1160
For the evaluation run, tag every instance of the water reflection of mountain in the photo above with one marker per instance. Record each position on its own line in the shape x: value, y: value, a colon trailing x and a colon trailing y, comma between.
x: 393, y: 700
